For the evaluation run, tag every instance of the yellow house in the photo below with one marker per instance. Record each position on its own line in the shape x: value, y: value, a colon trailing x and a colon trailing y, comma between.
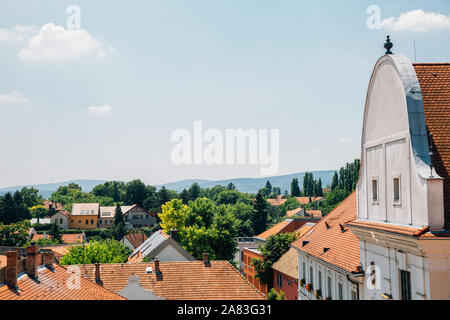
x: 84, y: 216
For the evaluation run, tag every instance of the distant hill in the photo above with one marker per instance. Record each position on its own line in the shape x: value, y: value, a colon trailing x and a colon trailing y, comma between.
x: 250, y: 185
x: 47, y: 189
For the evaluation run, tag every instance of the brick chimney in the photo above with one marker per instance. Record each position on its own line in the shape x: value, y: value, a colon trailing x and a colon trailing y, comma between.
x: 174, y: 234
x: 48, y: 260
x: 97, y: 274
x: 157, y: 270
x: 33, y: 261
x: 206, y: 259
x: 11, y: 268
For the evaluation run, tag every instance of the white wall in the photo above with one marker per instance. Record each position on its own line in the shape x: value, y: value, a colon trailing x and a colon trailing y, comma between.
x: 337, y: 278
x: 169, y: 253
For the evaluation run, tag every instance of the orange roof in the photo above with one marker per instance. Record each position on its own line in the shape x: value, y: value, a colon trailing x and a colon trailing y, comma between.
x: 66, y: 238
x: 59, y: 250
x: 305, y: 200
x: 304, y: 229
x: 136, y: 239
x: 434, y: 80
x: 52, y: 285
x: 422, y: 233
x: 315, y: 213
x: 343, y: 246
x: 291, y: 213
x: 2, y: 261
x: 276, y: 202
x: 273, y: 230
x: 189, y: 280
x: 56, y: 206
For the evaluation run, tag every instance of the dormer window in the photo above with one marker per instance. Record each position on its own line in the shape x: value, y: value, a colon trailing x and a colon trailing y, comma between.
x: 397, y: 190
x: 375, y: 190
x: 82, y: 211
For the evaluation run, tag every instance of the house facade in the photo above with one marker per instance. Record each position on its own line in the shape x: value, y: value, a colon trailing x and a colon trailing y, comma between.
x: 403, y: 189
x: 84, y: 216
x: 390, y: 238
x: 61, y: 219
x: 134, y: 216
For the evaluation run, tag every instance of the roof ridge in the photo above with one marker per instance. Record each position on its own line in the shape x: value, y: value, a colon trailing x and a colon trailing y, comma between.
x: 431, y: 64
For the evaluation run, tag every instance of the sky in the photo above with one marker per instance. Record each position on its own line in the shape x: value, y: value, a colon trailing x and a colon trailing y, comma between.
x: 99, y: 97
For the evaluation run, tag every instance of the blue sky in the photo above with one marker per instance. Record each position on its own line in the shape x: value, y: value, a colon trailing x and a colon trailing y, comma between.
x: 150, y: 67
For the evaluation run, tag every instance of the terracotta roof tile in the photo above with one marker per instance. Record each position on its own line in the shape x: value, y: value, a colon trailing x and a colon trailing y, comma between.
x: 190, y: 280
x: 434, y: 79
x: 136, y: 239
x: 288, y: 263
x: 343, y: 247
x: 66, y: 238
x: 52, y: 285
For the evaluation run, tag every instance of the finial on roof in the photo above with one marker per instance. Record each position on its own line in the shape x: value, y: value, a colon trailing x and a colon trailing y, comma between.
x: 388, y: 45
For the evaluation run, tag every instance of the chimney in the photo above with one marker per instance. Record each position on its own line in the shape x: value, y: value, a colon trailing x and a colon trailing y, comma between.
x: 11, y: 268
x: 157, y: 270
x: 174, y: 234
x: 48, y: 260
x: 206, y: 259
x: 33, y: 261
x: 97, y: 274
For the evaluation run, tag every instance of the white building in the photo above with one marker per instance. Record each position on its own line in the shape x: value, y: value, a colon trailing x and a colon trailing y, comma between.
x: 401, y: 223
x: 399, y: 215
x: 61, y: 218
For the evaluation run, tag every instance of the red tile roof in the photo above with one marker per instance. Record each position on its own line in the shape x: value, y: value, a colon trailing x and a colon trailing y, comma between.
x: 343, y: 246
x: 434, y: 79
x: 66, y: 238
x: 285, y: 226
x: 52, y: 285
x: 190, y: 280
x: 136, y: 239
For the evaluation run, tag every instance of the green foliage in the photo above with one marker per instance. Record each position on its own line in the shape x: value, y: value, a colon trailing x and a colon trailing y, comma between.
x: 55, y: 233
x: 15, y: 234
x: 108, y: 251
x: 118, y: 226
x: 260, y: 213
x: 194, y: 191
x: 72, y: 193
x: 273, y: 295
x: 39, y: 211
x: 275, y: 247
x: 31, y: 197
x: 295, y: 189
x: 13, y: 208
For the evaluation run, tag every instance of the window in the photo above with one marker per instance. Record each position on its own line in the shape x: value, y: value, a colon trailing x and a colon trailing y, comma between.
x: 92, y: 211
x: 354, y: 297
x: 279, y: 280
x: 330, y: 288
x: 87, y: 221
x: 340, y: 292
x: 304, y: 270
x: 82, y: 211
x: 405, y: 284
x: 319, y: 276
x: 375, y: 190
x: 92, y: 221
x: 397, y: 195
x: 311, y: 273
x: 60, y: 221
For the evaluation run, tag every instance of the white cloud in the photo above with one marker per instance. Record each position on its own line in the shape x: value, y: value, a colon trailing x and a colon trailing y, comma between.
x: 56, y: 44
x: 343, y: 140
x: 17, y: 33
x: 100, y: 110
x: 14, y: 97
x: 417, y: 20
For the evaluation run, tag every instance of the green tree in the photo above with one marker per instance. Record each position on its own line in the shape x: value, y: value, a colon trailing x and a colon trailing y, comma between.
x: 269, y: 186
x: 135, y: 193
x: 334, y: 181
x: 201, y: 212
x: 273, y: 295
x: 231, y: 186
x: 184, y: 196
x: 55, y: 233
x: 118, y: 227
x: 260, y: 212
x: 275, y: 247
x: 174, y: 215
x: 295, y: 189
x: 194, y: 191
x: 31, y: 196
x: 15, y: 234
x: 108, y: 251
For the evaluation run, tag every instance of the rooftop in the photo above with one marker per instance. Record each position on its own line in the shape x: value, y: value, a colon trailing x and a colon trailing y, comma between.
x: 288, y: 263
x: 190, y: 280
x: 330, y: 232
